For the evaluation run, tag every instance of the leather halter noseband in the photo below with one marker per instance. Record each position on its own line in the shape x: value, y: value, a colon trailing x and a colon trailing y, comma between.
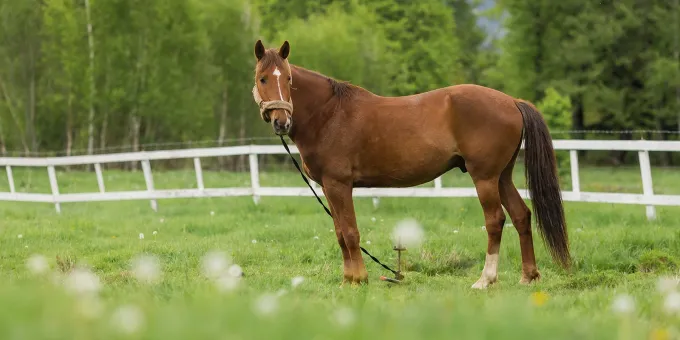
x: 271, y: 104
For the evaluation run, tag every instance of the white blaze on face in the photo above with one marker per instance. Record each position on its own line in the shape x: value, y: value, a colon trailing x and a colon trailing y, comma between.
x: 277, y: 73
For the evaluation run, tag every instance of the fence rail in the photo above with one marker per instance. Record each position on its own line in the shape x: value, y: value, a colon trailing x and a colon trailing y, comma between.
x: 643, y: 147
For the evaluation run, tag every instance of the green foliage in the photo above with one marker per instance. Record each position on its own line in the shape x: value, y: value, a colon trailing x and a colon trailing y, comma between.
x: 358, y: 52
x: 556, y: 110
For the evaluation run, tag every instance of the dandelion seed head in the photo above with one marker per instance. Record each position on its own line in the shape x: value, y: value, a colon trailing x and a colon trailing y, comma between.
x: 155, y: 232
x: 667, y: 285
x: 141, y: 236
x: 37, y: 264
x: 128, y: 319
x: 82, y: 281
x: 344, y: 317
x: 235, y: 270
x: 296, y: 281
x: 672, y: 303
x: 227, y: 283
x: 623, y: 304
x: 408, y: 233
x: 20, y: 236
x: 214, y: 263
x: 254, y: 241
x: 146, y: 269
x: 266, y: 304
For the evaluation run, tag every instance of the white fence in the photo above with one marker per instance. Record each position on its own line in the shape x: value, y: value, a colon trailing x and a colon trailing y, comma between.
x: 647, y: 198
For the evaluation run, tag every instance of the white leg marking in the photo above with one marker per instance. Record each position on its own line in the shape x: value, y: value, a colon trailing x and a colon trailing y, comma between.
x: 489, y: 273
x: 277, y: 73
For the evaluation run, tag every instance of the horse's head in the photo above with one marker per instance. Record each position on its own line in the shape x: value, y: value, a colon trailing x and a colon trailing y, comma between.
x: 273, y: 81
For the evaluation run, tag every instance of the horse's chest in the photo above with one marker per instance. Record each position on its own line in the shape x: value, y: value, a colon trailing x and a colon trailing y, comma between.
x: 310, y: 171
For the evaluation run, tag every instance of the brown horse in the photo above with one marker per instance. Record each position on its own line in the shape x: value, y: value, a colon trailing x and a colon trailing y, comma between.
x: 349, y: 137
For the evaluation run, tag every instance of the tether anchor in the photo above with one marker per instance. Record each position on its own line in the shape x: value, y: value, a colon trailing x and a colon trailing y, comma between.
x: 397, y: 275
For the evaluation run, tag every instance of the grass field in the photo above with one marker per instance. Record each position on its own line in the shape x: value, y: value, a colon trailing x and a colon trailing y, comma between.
x: 617, y: 252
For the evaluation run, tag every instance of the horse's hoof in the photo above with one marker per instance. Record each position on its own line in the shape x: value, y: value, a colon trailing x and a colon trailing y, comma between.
x: 529, y: 278
x: 483, y: 283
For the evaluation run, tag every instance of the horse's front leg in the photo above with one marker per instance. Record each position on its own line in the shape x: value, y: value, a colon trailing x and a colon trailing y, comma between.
x: 339, y: 195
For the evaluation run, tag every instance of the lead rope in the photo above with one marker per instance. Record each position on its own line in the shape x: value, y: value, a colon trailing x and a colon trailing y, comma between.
x: 397, y: 274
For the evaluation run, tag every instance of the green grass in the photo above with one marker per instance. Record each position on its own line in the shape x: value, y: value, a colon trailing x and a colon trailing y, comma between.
x: 616, y: 251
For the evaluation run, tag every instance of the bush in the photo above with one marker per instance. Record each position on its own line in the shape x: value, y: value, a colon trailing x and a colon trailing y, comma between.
x: 556, y: 110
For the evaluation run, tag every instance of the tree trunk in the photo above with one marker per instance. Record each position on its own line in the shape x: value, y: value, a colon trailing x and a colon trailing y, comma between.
x: 223, y: 123
x: 30, y: 109
x: 242, y: 137
x: 69, y: 126
x: 15, y: 118
x: 90, y: 120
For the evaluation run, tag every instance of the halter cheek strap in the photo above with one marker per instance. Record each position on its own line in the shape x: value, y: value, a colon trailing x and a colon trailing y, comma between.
x: 272, y: 104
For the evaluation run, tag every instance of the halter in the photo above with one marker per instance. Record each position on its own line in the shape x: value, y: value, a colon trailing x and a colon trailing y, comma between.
x: 271, y: 104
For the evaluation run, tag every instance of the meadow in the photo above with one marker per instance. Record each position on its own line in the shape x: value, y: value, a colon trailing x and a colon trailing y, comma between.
x: 72, y: 275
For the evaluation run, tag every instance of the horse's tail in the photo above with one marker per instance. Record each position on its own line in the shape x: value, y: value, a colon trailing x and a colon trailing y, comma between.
x: 543, y: 183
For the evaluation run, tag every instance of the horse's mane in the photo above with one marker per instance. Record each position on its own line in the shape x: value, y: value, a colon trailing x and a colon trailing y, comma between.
x: 341, y: 89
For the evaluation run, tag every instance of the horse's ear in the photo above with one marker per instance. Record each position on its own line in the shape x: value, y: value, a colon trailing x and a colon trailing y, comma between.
x: 259, y: 50
x: 284, y: 50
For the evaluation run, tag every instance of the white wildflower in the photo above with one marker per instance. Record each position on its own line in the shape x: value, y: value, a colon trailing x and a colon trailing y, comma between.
x: 408, y: 233
x: 227, y: 283
x: 37, y: 264
x: 141, y: 236
x: 672, y: 303
x: 296, y: 281
x: 128, y: 319
x: 372, y: 219
x: 667, y: 285
x: 455, y: 231
x: 344, y: 316
x: 368, y: 242
x: 162, y: 220
x: 20, y: 236
x: 235, y: 270
x: 82, y: 281
x: 212, y: 213
x: 623, y: 304
x: 155, y: 233
x: 254, y: 241
x: 316, y: 237
x: 146, y: 268
x: 215, y: 263
x: 266, y: 304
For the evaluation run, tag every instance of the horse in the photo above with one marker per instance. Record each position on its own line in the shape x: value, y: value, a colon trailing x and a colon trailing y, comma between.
x: 349, y: 137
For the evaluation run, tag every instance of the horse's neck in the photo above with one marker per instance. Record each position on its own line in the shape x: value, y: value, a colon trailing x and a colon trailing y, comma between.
x: 310, y: 95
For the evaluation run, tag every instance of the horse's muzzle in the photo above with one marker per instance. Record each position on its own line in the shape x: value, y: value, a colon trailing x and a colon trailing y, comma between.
x: 282, y: 128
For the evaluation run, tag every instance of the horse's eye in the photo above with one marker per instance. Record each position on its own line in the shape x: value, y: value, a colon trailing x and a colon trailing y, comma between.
x: 263, y: 81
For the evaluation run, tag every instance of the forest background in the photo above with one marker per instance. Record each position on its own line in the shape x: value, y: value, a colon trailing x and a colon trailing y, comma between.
x: 96, y: 76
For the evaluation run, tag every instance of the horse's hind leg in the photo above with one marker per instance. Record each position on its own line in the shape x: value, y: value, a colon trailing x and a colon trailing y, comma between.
x: 494, y: 217
x: 521, y: 218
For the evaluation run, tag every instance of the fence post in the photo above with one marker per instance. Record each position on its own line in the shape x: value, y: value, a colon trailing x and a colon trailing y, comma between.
x: 10, y: 179
x: 148, y: 178
x: 52, y: 174
x: 575, y: 182
x: 254, y: 177
x: 647, y: 188
x: 199, y: 173
x: 376, y: 202
x: 438, y: 182
x: 100, y: 177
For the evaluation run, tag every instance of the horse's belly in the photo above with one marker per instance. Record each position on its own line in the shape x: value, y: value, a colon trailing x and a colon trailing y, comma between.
x: 407, y: 173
